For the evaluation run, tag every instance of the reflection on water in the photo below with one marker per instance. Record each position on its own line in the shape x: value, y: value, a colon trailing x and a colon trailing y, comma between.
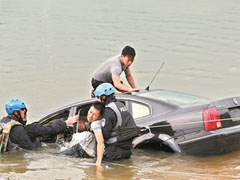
x: 14, y: 162
x: 50, y: 49
x: 45, y: 164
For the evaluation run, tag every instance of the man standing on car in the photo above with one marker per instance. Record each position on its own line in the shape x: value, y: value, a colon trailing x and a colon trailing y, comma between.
x: 111, y: 70
x: 16, y: 134
x: 116, y: 117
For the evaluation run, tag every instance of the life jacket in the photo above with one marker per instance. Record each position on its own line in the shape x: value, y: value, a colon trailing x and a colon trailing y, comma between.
x: 125, y: 128
x: 6, y: 124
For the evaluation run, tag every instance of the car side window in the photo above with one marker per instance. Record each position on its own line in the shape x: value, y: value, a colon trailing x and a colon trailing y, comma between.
x: 83, y: 111
x: 61, y: 115
x: 139, y: 110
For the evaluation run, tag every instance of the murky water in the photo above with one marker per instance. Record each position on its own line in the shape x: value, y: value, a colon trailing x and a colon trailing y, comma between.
x: 49, y: 50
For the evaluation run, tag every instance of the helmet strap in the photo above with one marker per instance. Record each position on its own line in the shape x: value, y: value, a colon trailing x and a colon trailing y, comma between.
x: 18, y: 116
x: 102, y: 99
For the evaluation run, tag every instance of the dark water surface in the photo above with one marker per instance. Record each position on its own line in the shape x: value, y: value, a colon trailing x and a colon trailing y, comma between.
x: 49, y: 50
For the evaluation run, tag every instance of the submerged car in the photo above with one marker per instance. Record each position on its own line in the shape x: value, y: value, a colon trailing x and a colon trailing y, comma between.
x: 171, y: 121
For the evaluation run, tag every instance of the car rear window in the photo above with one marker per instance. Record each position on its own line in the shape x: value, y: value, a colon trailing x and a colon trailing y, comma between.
x: 173, y: 97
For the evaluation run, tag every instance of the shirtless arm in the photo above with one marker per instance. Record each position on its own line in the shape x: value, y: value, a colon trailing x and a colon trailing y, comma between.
x: 100, y: 147
x: 120, y: 86
x: 129, y: 78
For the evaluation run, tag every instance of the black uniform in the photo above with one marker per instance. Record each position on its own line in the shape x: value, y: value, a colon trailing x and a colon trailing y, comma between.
x: 26, y: 136
x: 36, y: 130
x: 116, y: 117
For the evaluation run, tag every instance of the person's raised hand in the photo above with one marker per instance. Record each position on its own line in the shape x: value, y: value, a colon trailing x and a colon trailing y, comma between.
x: 72, y: 120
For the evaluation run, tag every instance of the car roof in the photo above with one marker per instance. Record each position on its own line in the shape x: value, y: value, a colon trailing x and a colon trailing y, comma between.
x: 164, y: 97
x: 172, y: 97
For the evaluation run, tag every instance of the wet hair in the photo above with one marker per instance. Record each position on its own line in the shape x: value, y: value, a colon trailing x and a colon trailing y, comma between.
x: 128, y: 51
x: 99, y: 106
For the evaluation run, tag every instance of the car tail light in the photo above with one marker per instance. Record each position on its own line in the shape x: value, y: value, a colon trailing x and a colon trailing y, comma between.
x: 211, y: 119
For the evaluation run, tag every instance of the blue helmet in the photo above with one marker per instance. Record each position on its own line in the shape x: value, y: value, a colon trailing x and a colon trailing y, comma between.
x: 14, y: 105
x: 104, y: 89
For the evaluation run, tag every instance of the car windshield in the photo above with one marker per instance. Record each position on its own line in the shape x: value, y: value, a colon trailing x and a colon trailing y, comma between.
x: 173, y: 97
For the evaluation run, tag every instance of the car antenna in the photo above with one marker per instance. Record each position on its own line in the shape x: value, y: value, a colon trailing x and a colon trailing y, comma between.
x: 147, y: 88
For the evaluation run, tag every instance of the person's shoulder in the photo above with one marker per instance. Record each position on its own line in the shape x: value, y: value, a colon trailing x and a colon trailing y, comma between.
x: 3, y: 118
x: 109, y: 114
x: 96, y: 123
x: 108, y: 110
x: 114, y: 58
x: 119, y: 103
x: 18, y: 128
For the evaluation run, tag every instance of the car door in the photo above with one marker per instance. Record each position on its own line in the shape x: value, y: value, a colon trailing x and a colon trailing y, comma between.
x: 62, y: 114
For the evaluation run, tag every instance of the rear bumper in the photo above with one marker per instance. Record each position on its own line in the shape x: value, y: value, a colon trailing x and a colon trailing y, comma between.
x: 220, y: 141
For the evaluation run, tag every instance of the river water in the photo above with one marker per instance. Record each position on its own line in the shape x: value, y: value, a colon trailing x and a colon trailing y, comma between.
x: 49, y: 50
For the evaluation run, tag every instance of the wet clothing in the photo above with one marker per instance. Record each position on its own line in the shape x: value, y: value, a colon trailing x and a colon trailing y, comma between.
x: 115, y: 118
x: 76, y: 151
x: 18, y: 137
x: 5, y: 129
x: 105, y: 71
x: 26, y: 136
x: 124, y: 119
x: 35, y: 130
x: 115, y: 115
x: 116, y: 152
x: 84, y: 141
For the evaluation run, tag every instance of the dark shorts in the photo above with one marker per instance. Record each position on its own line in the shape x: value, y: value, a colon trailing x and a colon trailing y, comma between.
x: 96, y: 83
x: 76, y: 151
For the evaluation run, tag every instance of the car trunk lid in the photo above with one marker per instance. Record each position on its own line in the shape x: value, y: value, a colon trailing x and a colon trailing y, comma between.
x: 229, y: 111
